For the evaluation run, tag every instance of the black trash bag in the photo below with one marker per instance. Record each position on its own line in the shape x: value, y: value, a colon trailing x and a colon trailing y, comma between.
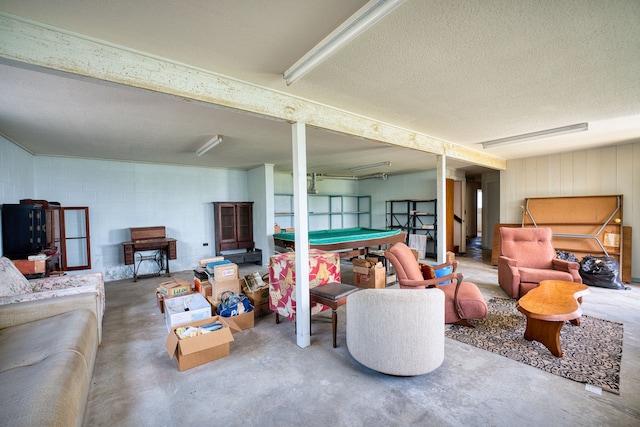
x: 566, y: 256
x: 603, y: 272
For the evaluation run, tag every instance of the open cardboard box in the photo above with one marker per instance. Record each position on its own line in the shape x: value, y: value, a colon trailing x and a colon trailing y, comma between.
x: 174, y: 288
x: 244, y: 320
x: 195, y: 351
x: 370, y: 277
x: 258, y: 295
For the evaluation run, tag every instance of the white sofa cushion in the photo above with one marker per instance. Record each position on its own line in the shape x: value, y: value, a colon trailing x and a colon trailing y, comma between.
x: 12, y: 282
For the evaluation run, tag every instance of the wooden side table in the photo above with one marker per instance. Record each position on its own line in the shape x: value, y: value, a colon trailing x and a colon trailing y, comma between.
x: 332, y: 295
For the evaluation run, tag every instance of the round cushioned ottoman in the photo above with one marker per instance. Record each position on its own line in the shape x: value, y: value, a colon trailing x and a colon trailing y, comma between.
x: 397, y: 331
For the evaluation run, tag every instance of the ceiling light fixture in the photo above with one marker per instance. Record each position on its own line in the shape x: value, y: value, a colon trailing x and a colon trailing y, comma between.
x: 209, y: 145
x: 372, y: 166
x: 364, y: 18
x: 579, y: 127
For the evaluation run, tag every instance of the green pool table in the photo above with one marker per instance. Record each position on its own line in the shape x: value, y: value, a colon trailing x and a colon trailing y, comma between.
x: 347, y: 242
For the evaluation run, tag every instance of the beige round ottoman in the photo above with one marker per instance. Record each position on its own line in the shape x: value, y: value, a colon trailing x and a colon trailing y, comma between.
x: 397, y: 331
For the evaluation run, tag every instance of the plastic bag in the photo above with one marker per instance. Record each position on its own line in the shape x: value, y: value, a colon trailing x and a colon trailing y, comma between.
x: 603, y: 272
x: 566, y: 256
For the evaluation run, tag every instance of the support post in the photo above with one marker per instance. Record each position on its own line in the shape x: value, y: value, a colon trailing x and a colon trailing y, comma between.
x: 441, y: 194
x: 303, y: 307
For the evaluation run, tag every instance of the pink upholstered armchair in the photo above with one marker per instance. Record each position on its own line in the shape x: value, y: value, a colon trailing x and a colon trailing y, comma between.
x: 463, y: 300
x: 527, y: 257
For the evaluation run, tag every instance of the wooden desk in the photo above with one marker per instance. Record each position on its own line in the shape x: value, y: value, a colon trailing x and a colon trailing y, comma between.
x: 547, y: 307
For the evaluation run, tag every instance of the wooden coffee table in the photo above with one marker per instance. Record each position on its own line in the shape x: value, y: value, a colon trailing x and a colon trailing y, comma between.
x: 547, y: 307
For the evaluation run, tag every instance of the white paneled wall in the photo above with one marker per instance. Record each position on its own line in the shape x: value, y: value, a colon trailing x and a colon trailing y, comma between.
x: 600, y: 171
x: 121, y: 195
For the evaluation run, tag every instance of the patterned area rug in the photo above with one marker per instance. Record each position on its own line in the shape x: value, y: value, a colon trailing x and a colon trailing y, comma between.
x: 592, y: 352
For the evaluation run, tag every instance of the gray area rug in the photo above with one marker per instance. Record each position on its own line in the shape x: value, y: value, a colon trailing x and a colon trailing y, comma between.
x: 592, y: 352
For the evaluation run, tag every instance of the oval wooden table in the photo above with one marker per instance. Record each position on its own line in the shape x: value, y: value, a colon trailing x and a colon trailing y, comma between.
x: 547, y: 307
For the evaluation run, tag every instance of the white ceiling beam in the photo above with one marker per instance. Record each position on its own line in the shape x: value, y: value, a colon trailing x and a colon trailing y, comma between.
x: 48, y: 47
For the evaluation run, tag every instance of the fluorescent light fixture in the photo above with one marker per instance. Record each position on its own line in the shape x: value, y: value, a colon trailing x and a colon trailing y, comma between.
x: 209, y: 145
x: 372, y: 166
x: 579, y: 127
x: 364, y: 18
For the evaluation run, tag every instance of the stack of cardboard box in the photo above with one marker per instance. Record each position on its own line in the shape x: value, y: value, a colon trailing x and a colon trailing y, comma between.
x: 258, y: 294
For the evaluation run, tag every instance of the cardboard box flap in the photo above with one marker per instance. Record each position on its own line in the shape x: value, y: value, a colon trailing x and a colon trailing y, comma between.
x: 172, y: 343
x: 232, y: 324
x: 201, y: 342
x: 175, y: 283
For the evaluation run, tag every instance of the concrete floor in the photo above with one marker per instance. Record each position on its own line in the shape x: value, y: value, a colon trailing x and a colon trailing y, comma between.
x: 269, y: 381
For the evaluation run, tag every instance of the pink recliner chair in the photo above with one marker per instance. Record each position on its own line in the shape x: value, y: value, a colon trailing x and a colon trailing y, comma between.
x: 462, y: 300
x: 527, y: 257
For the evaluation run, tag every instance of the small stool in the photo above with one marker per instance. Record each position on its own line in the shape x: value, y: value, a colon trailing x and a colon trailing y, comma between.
x: 332, y: 295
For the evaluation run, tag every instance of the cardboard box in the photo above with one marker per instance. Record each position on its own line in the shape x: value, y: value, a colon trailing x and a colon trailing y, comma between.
x: 221, y: 272
x: 195, y: 351
x: 258, y: 296
x: 175, y: 314
x: 199, y: 276
x: 226, y: 285
x: 261, y: 310
x: 244, y: 320
x: 25, y: 266
x: 205, y: 261
x: 277, y: 230
x: 160, y: 299
x: 372, y: 277
x: 206, y: 289
x: 175, y: 288
x: 214, y: 304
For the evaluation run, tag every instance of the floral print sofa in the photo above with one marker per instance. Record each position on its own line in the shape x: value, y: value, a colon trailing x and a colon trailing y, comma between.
x: 15, y: 288
x: 50, y: 330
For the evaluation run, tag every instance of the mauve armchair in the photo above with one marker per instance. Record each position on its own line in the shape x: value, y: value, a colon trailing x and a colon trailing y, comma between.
x: 527, y: 257
x: 463, y: 300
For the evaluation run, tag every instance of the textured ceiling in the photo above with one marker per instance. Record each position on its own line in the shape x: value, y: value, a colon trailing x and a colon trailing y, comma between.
x: 462, y: 72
